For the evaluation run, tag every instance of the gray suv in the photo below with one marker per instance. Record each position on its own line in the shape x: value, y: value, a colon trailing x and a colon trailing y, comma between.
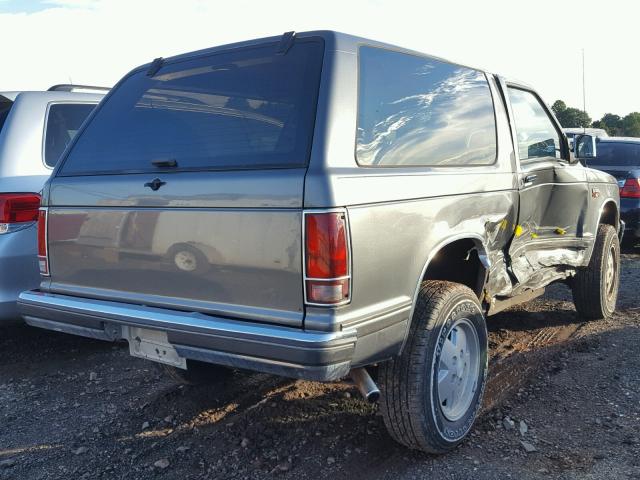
x: 35, y: 128
x: 318, y: 205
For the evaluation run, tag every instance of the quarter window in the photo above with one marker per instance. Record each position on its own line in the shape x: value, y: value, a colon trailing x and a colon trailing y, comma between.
x: 63, y: 123
x: 419, y: 111
x: 537, y: 135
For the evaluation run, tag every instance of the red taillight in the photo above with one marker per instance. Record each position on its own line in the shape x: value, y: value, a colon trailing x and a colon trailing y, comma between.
x: 43, y: 253
x: 327, y: 279
x: 631, y: 188
x: 19, y: 207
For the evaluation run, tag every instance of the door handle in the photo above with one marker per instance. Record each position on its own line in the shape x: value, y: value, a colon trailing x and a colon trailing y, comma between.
x: 529, y: 179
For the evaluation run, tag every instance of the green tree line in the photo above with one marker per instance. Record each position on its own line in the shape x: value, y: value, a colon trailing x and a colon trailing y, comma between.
x: 615, y: 125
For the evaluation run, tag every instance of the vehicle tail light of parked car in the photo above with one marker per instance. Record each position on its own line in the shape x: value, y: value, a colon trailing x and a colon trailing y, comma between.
x: 327, y: 269
x: 17, y: 209
x: 631, y: 188
x: 43, y: 251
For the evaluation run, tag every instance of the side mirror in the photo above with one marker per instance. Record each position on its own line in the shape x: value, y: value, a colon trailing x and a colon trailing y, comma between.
x: 584, y: 147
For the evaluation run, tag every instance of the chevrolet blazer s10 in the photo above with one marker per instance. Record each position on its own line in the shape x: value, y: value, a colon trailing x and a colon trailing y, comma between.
x: 319, y: 206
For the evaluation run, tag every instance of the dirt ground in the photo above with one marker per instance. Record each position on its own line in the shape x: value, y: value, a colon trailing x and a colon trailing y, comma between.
x: 569, y: 392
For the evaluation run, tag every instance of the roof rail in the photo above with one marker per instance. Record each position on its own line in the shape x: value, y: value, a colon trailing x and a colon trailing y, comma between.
x: 68, y: 87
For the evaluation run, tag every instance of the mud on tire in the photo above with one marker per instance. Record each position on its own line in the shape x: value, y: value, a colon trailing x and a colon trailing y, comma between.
x: 595, y: 287
x: 415, y: 396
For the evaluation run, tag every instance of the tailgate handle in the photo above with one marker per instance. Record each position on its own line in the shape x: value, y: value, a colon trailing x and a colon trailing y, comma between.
x: 165, y: 163
x: 155, y: 184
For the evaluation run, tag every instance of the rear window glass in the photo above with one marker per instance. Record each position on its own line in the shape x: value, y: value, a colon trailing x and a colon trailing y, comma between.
x: 623, y: 154
x: 419, y: 111
x: 63, y: 123
x: 241, y: 108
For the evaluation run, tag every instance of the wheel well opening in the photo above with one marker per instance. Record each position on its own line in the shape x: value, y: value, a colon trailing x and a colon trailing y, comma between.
x: 458, y: 262
x: 609, y: 215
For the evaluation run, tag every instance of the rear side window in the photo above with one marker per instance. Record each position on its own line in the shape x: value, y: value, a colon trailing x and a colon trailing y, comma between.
x: 5, y: 108
x: 537, y: 135
x: 241, y: 108
x: 419, y: 111
x: 63, y: 122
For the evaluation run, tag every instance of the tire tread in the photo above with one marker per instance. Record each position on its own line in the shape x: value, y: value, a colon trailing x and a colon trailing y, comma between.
x: 401, y: 400
x: 586, y: 285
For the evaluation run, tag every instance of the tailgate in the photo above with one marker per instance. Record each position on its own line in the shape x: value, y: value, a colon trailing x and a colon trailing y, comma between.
x: 185, y: 189
x: 197, y: 244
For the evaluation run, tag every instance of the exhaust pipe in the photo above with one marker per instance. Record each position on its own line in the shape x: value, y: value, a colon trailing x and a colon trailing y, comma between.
x: 368, y: 389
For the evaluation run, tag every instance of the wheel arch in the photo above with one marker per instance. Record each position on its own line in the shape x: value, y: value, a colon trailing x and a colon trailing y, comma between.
x: 475, y: 278
x: 609, y: 213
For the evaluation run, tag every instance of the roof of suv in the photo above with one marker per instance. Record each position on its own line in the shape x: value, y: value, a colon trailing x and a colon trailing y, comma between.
x: 618, y: 140
x: 333, y: 40
x: 53, y: 96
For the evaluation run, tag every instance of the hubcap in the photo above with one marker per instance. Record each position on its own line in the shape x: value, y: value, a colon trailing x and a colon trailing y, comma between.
x: 458, y: 369
x: 611, y: 274
x: 186, y: 261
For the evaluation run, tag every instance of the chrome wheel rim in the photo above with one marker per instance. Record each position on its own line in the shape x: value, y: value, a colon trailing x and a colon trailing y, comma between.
x: 611, y: 274
x: 458, y: 369
x: 185, y: 260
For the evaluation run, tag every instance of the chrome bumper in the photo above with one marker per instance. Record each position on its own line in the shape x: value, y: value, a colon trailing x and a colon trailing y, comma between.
x: 285, y: 351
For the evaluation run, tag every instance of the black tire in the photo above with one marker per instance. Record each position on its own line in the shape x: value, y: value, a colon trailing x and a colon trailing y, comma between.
x: 197, y: 373
x: 595, y: 287
x: 410, y: 401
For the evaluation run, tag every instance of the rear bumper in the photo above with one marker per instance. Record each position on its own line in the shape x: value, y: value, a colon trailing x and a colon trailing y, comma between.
x: 291, y: 352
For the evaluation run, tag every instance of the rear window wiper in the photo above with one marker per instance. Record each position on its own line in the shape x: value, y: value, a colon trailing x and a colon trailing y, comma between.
x: 165, y: 163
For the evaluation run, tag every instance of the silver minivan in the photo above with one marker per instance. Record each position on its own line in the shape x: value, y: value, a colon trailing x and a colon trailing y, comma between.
x: 35, y: 128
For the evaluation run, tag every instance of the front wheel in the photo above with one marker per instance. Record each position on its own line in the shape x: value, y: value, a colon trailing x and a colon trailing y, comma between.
x: 595, y: 287
x: 432, y: 392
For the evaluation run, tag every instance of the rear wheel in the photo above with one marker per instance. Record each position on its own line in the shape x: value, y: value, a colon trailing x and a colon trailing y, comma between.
x: 432, y: 392
x: 197, y: 373
x: 595, y: 287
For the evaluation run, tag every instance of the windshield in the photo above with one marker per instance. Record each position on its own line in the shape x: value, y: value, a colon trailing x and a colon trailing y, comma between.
x: 240, y: 108
x: 623, y: 154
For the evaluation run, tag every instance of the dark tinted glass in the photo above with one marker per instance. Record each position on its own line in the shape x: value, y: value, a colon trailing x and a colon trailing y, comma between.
x: 537, y: 136
x: 242, y: 108
x: 63, y: 123
x: 624, y: 154
x: 418, y: 111
x: 5, y: 107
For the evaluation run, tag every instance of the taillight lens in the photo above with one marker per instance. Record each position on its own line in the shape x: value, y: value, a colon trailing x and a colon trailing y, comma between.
x: 327, y: 276
x: 631, y: 188
x: 19, y: 207
x: 43, y: 251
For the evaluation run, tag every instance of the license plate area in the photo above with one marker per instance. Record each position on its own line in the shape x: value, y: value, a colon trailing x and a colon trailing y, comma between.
x: 153, y: 345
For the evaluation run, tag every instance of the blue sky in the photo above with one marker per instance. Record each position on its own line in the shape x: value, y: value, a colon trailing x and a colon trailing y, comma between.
x: 32, y: 6
x: 22, y: 6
